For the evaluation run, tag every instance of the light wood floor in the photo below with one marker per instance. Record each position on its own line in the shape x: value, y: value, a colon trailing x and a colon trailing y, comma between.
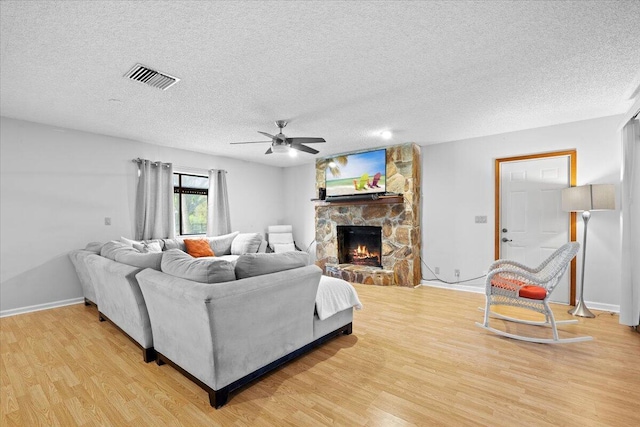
x: 415, y: 358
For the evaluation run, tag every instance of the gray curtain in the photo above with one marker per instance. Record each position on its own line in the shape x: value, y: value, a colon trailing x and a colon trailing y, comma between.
x: 218, y: 219
x: 154, y: 201
x: 630, y: 212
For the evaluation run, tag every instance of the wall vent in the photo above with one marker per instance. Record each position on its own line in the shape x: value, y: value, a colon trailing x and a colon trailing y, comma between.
x: 151, y: 77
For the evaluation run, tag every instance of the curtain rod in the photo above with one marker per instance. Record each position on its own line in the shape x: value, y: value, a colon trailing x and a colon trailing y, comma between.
x: 177, y: 169
x: 158, y: 163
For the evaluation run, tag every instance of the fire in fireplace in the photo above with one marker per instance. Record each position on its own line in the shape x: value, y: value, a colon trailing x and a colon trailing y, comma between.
x: 359, y: 245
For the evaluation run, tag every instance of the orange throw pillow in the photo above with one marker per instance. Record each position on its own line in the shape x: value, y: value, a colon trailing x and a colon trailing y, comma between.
x: 198, y: 248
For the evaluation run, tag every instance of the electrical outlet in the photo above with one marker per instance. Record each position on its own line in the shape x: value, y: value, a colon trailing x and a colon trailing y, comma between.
x: 481, y: 219
x: 107, y: 220
x: 437, y: 270
x: 456, y: 273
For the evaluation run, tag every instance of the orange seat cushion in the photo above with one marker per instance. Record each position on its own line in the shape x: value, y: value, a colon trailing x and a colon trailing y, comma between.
x: 198, y: 248
x: 525, y: 291
x: 532, y: 292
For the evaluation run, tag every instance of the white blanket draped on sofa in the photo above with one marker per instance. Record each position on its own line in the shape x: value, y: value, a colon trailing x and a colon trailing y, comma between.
x: 335, y: 295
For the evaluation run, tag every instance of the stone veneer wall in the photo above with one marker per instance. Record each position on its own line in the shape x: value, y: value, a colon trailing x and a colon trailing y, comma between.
x: 400, y: 224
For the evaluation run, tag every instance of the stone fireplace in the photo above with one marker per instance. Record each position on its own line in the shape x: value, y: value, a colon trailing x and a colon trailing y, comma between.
x: 359, y: 245
x: 397, y: 217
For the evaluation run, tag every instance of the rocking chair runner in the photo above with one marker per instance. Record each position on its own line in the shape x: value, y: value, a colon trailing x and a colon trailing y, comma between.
x: 514, y: 284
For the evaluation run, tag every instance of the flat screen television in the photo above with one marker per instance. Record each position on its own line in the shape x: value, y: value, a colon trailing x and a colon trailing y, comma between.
x: 356, y: 173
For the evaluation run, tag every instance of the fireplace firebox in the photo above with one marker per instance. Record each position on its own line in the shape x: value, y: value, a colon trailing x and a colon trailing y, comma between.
x: 359, y: 245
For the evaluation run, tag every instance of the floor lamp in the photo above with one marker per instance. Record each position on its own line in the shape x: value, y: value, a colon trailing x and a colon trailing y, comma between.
x: 585, y: 199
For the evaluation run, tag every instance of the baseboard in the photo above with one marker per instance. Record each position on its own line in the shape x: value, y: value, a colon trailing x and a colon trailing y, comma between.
x: 40, y: 307
x: 480, y: 290
x: 454, y: 287
x: 602, y: 307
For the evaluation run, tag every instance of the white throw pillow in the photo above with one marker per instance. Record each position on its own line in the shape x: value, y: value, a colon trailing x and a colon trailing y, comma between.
x: 221, y: 245
x: 203, y: 270
x: 246, y: 243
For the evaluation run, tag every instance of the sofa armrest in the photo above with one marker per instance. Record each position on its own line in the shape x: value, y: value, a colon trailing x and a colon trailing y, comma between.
x: 79, y: 260
x: 223, y: 331
x: 120, y: 298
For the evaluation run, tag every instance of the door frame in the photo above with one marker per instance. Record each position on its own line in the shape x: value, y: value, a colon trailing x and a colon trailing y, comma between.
x: 573, y: 172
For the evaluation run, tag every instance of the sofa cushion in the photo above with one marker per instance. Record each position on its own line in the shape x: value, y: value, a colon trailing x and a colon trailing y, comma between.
x: 94, y: 247
x: 198, y: 248
x: 148, y: 246
x: 246, y: 243
x: 250, y: 265
x: 110, y: 248
x: 143, y: 246
x: 173, y: 244
x: 129, y: 242
x: 203, y: 270
x: 140, y: 260
x: 221, y: 245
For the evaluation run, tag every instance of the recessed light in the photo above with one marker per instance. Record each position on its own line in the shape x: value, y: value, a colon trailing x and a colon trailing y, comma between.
x: 386, y: 134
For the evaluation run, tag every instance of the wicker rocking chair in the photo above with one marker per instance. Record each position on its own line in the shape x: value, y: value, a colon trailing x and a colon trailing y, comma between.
x: 511, y: 283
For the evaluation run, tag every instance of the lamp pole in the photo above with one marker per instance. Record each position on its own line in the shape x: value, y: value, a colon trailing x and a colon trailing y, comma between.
x: 581, y: 309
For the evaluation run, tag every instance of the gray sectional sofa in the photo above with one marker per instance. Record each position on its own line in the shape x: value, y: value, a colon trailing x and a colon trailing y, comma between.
x: 222, y: 321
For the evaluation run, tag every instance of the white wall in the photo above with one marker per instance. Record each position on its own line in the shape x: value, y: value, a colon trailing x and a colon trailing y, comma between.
x: 458, y: 184
x: 57, y: 188
x: 299, y: 210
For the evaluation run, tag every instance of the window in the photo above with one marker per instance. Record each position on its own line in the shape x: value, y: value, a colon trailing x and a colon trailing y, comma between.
x: 190, y: 203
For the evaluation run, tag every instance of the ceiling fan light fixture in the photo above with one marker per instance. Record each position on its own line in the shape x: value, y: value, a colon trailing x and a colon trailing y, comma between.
x: 279, y: 148
x: 293, y: 153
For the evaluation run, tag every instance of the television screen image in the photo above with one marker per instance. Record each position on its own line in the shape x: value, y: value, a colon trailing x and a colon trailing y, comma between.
x: 357, y: 173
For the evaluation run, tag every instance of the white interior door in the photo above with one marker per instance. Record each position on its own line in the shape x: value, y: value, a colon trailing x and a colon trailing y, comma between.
x: 532, y: 223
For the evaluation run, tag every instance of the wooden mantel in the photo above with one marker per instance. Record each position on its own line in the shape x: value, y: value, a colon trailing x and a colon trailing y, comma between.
x: 380, y: 200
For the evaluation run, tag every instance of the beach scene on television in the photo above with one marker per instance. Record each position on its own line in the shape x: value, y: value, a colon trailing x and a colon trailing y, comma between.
x: 357, y: 173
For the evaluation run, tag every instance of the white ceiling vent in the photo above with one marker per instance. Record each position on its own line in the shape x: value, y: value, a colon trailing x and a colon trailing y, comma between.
x: 151, y: 77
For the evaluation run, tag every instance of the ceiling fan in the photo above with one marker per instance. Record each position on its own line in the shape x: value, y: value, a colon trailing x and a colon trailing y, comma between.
x: 280, y: 143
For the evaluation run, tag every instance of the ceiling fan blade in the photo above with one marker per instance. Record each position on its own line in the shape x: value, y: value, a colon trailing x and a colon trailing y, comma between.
x: 250, y: 142
x: 305, y: 140
x: 304, y: 148
x: 268, y: 151
x: 266, y: 134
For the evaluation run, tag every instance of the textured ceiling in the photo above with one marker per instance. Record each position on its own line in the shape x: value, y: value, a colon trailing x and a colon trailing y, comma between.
x: 428, y: 71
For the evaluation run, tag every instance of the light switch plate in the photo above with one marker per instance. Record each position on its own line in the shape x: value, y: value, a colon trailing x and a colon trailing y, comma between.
x: 481, y: 219
x: 107, y: 220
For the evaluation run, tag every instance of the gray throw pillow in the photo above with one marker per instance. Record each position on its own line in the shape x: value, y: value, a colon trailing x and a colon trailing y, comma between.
x: 221, y: 245
x: 250, y: 265
x: 203, y: 270
x: 246, y: 243
x: 140, y: 260
x: 110, y: 248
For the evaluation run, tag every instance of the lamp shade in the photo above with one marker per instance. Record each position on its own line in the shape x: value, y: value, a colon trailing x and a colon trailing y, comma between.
x: 592, y: 197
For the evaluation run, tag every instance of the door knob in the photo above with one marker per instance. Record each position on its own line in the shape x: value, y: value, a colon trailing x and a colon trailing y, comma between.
x: 504, y: 230
x: 504, y: 239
